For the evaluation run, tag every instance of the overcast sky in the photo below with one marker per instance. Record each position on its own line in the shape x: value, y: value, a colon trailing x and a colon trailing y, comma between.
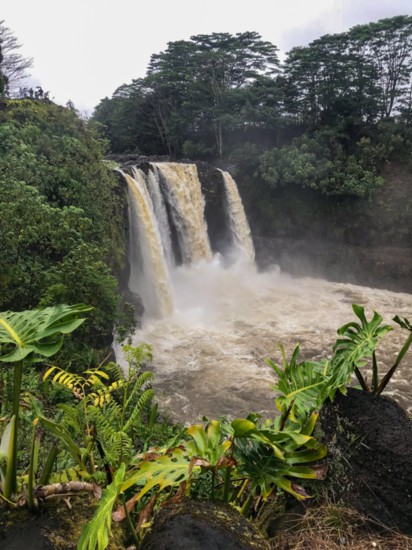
x: 84, y: 49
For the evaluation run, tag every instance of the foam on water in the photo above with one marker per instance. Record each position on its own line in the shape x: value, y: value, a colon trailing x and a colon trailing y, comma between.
x: 209, y: 356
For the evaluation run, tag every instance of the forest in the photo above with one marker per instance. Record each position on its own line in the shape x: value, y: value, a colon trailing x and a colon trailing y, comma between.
x: 78, y: 430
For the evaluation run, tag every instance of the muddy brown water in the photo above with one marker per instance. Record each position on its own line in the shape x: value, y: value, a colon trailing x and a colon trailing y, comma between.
x: 209, y: 356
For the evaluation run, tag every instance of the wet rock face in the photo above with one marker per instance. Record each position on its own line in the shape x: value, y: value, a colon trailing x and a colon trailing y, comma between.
x: 213, y: 190
x: 370, y: 441
x: 202, y: 525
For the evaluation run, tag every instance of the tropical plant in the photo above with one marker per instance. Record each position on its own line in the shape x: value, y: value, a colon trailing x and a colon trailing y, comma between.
x: 111, y: 405
x: 244, y: 462
x: 357, y: 344
x: 302, y: 387
x: 28, y: 337
x: 269, y: 457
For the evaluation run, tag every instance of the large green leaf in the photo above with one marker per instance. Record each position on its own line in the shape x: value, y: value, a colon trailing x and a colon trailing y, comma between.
x: 266, y: 471
x: 268, y: 456
x: 60, y: 432
x: 166, y: 470
x: 356, y: 344
x: 303, y: 386
x: 38, y: 332
x: 96, y: 533
x: 7, y: 450
x: 207, y: 442
x: 279, y: 440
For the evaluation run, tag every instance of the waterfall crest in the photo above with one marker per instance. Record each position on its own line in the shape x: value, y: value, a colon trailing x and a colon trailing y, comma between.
x: 238, y: 222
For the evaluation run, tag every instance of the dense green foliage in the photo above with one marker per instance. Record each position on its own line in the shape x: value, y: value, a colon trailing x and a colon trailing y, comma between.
x: 61, y: 216
x: 329, y: 117
x: 29, y: 337
x: 108, y: 432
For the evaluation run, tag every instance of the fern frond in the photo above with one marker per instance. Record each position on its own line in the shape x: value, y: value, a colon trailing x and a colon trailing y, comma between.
x: 72, y: 381
x: 69, y: 474
x: 116, y: 372
x: 134, y: 417
x: 139, y: 384
x: 71, y: 417
x: 103, y: 394
x: 121, y: 446
x: 105, y: 420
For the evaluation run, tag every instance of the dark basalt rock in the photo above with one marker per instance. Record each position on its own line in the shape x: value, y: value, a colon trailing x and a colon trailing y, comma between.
x: 202, y: 525
x: 370, y: 442
x: 217, y: 220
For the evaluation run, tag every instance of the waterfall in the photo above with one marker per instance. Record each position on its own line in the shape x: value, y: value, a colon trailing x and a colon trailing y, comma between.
x: 238, y: 221
x: 187, y: 209
x: 167, y: 216
x: 216, y: 321
x: 153, y: 181
x: 149, y: 276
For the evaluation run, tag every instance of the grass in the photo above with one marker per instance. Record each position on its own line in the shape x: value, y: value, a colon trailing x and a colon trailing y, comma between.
x: 335, y: 527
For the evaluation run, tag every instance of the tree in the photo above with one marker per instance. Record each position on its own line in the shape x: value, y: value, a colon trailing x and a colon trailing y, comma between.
x: 2, y: 77
x: 388, y: 45
x: 200, y: 78
x: 61, y: 216
x: 13, y: 65
x: 361, y: 75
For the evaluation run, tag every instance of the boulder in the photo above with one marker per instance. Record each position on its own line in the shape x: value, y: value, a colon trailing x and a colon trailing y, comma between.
x: 202, y: 525
x: 370, y: 441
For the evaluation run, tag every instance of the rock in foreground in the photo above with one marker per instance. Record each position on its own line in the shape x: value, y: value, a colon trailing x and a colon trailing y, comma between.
x: 370, y: 441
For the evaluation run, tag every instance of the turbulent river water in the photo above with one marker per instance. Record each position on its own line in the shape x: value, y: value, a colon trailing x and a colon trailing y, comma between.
x: 209, y: 356
x: 213, y: 321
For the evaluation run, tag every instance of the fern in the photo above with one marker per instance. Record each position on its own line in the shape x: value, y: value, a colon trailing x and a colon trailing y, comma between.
x: 121, y: 445
x: 135, y: 416
x: 69, y: 474
x: 139, y: 383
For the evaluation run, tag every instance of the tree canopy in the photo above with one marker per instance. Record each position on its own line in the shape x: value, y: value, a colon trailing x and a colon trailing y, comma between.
x: 335, y: 107
x: 194, y: 92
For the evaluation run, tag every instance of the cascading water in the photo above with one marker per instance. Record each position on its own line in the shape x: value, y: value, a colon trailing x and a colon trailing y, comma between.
x: 149, y: 276
x: 211, y: 344
x: 153, y: 180
x: 238, y: 221
x: 187, y: 209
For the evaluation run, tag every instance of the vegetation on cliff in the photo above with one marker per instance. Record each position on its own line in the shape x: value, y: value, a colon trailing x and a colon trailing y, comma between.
x: 62, y: 228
